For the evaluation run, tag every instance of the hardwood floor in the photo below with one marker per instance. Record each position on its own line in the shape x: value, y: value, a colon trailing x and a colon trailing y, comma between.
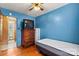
x: 30, y: 51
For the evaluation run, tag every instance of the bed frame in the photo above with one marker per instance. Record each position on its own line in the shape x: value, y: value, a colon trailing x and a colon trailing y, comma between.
x: 50, y: 51
x: 51, y: 47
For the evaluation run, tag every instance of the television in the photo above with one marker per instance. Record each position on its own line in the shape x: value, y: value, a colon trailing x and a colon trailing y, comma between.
x: 27, y: 24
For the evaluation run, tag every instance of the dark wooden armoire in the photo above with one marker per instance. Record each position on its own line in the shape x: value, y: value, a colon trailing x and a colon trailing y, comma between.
x: 28, y: 33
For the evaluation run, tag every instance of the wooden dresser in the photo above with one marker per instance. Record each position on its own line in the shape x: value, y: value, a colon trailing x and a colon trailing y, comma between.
x: 28, y: 37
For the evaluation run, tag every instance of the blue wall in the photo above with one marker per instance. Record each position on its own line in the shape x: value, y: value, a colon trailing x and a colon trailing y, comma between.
x: 19, y: 17
x: 60, y: 24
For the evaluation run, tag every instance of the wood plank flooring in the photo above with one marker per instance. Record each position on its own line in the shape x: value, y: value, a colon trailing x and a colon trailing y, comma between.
x: 30, y: 51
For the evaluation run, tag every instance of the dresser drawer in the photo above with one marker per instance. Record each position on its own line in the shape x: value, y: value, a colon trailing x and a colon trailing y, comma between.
x: 28, y: 37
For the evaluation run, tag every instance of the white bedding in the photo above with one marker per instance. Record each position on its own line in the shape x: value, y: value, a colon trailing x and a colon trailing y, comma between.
x: 64, y: 46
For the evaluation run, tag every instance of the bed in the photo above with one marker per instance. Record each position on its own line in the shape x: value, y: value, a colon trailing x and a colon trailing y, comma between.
x: 52, y: 47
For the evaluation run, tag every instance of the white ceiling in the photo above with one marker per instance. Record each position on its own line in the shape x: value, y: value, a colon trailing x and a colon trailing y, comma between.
x: 23, y: 8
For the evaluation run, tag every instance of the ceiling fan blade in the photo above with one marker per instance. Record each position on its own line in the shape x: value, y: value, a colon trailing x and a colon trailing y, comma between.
x: 41, y: 9
x: 30, y: 9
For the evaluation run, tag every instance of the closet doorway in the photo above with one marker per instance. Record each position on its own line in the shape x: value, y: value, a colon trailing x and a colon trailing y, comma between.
x: 8, y: 32
x: 11, y: 32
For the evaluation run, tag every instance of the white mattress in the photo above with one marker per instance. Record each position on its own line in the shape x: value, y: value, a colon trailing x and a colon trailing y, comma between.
x: 63, y: 46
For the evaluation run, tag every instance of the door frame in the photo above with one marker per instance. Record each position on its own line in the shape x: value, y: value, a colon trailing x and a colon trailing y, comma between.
x: 14, y: 19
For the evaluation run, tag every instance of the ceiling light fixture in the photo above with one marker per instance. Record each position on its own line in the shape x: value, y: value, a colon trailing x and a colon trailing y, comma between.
x: 37, y: 6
